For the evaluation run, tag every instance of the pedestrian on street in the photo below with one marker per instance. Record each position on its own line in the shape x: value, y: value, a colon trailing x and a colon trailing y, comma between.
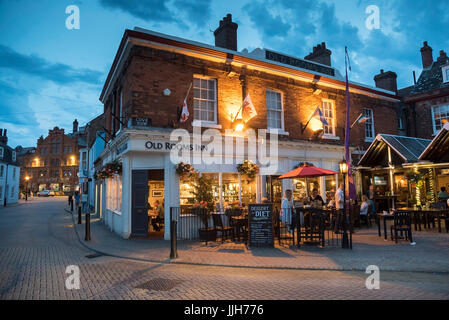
x: 77, y: 200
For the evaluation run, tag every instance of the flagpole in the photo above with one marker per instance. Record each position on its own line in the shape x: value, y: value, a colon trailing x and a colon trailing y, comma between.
x: 356, y: 120
x: 188, y: 91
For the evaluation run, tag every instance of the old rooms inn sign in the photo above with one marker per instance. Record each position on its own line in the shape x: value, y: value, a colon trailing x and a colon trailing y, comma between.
x: 168, y: 146
x: 274, y: 56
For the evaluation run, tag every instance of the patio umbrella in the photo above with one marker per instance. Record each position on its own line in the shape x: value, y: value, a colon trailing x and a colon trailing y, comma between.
x: 307, y: 171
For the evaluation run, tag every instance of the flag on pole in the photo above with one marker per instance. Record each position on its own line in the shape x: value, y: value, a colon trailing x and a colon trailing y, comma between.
x: 361, y: 119
x: 184, y: 113
x: 352, y: 191
x: 319, y: 116
x: 248, y: 110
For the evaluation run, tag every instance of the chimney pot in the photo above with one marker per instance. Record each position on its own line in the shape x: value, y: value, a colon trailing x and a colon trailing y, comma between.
x: 320, y: 54
x: 226, y: 34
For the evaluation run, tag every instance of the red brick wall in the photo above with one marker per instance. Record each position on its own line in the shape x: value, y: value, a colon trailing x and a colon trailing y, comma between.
x: 150, y: 71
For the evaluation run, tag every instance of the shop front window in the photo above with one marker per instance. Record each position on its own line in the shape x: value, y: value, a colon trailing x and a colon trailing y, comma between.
x: 331, y: 187
x: 114, y: 194
x: 214, y: 178
x: 299, y: 190
x: 248, y: 191
x: 230, y: 188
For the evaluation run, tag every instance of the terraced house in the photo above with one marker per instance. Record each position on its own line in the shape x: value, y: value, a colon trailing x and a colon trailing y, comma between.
x: 149, y: 81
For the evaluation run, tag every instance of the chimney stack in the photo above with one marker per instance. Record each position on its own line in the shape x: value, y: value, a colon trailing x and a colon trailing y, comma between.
x: 226, y: 34
x: 3, y: 137
x: 320, y: 54
x: 426, y: 55
x: 443, y: 57
x: 75, y: 126
x: 386, y: 80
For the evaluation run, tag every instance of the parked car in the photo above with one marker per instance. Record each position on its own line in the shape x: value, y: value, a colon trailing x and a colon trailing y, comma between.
x: 51, y: 194
x: 43, y: 193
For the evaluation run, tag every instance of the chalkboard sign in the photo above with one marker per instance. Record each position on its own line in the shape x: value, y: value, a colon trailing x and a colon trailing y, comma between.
x: 261, y: 225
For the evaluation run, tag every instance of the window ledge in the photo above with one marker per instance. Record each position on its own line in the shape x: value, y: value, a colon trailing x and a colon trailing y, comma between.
x: 277, y: 131
x: 369, y: 140
x: 198, y: 123
x: 329, y: 137
x: 115, y: 212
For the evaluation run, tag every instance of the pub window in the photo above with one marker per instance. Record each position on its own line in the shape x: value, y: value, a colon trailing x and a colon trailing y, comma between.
x: 114, y: 194
x: 328, y: 107
x: 369, y: 124
x: 205, y: 99
x: 275, y: 116
x: 440, y: 115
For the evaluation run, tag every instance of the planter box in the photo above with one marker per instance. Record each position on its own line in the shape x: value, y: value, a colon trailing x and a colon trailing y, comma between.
x: 209, y: 234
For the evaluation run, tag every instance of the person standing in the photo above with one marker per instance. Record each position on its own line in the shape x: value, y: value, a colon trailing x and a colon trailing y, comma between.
x: 339, y: 197
x: 287, y: 208
x: 77, y: 200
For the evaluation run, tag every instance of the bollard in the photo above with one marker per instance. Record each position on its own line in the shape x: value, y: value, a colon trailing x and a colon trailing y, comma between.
x: 71, y: 205
x: 79, y: 215
x: 26, y: 196
x: 87, y: 237
x: 173, y: 240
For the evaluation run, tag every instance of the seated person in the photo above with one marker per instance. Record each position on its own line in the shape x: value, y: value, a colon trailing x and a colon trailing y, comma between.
x: 331, y: 203
x: 159, y: 209
x: 443, y: 195
x: 316, y: 196
x: 365, y: 206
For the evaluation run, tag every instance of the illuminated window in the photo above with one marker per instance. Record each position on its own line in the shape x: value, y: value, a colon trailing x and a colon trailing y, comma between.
x: 205, y: 99
x: 440, y: 116
x: 328, y: 107
x: 114, y: 193
x: 275, y: 116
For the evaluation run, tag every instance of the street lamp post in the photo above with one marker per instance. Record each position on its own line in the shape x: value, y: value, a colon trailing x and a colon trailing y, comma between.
x: 27, y: 187
x: 344, y: 171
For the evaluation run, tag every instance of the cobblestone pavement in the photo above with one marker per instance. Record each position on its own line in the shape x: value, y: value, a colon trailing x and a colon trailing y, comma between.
x: 37, y: 243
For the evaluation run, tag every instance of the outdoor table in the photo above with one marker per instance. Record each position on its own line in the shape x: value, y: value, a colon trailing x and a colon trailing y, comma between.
x: 426, y: 212
x: 239, y: 222
x: 384, y: 217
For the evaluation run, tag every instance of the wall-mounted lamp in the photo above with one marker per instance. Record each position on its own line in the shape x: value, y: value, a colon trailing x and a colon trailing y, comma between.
x: 238, y: 125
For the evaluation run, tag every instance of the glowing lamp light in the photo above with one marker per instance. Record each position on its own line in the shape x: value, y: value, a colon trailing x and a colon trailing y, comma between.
x: 238, y: 125
x: 343, y: 167
x: 27, y: 178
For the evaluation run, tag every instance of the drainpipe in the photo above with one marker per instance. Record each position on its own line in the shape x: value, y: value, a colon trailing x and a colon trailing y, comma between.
x: 6, y: 183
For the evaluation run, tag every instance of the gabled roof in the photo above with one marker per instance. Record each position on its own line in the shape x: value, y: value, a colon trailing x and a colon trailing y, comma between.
x: 404, y: 150
x: 438, y: 149
x: 431, y: 78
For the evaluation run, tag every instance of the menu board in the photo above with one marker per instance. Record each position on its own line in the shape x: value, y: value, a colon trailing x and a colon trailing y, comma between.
x: 261, y: 225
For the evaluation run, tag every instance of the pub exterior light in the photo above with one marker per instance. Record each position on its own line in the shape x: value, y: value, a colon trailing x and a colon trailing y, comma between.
x: 238, y: 125
x: 343, y: 167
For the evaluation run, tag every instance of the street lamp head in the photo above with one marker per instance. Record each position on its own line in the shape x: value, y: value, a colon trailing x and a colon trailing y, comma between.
x: 343, y: 167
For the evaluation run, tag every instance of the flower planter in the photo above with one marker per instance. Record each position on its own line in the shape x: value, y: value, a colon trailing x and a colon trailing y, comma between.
x: 209, y: 234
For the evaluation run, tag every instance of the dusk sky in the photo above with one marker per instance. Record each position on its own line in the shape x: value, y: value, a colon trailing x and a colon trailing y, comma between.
x: 50, y: 75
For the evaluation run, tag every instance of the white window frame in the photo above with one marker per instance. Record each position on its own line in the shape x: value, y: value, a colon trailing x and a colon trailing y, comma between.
x: 445, y: 70
x: 327, y: 135
x: 282, y: 128
x: 371, y: 122
x: 199, y: 122
x: 435, y: 131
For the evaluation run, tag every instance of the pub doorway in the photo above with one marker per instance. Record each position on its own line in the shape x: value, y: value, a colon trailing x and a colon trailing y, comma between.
x: 147, y: 215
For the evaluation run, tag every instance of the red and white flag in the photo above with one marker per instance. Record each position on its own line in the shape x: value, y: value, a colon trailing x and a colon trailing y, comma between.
x: 248, y: 110
x: 184, y: 113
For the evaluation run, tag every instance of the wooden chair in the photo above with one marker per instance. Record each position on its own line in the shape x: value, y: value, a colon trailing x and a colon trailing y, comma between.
x: 402, y: 223
x: 225, y: 231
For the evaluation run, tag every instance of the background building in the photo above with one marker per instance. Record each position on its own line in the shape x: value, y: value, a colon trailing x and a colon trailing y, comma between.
x: 54, y: 164
x: 9, y: 172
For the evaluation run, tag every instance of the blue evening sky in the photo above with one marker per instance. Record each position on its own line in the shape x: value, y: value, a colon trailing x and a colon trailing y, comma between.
x: 50, y: 75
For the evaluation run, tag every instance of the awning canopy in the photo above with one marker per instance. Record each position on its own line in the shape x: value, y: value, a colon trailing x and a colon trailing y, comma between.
x: 403, y: 150
x: 438, y: 150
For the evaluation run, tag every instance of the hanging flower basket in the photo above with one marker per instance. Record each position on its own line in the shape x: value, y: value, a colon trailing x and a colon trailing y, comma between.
x: 248, y: 169
x: 184, y: 170
x: 109, y: 170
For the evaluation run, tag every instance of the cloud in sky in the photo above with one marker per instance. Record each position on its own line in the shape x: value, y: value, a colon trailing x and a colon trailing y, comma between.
x: 37, y: 66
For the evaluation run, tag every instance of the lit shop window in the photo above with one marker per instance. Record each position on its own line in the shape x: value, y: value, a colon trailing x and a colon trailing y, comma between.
x: 205, y: 99
x: 440, y: 116
x: 114, y: 193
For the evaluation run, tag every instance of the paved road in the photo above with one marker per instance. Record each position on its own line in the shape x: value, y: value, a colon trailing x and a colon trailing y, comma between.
x: 37, y: 243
